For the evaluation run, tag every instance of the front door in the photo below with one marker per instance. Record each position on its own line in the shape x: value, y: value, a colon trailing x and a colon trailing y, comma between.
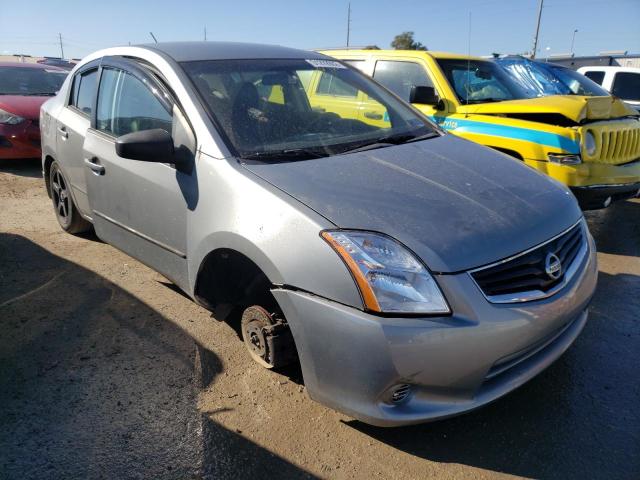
x: 140, y: 207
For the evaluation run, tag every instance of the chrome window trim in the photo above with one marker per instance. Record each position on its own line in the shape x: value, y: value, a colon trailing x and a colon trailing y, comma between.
x: 532, y: 295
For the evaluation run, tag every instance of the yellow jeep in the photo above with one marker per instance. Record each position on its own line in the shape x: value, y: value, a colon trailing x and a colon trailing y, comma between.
x: 591, y: 144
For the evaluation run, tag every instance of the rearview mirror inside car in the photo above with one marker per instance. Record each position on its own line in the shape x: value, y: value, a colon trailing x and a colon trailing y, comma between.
x: 424, y: 95
x: 147, y: 145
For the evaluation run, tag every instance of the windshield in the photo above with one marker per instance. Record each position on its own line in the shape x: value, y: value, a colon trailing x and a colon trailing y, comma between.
x: 542, y: 79
x: 476, y: 81
x: 304, y: 108
x: 30, y: 81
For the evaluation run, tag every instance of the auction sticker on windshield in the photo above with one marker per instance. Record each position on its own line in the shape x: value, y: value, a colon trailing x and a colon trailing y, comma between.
x: 325, y: 64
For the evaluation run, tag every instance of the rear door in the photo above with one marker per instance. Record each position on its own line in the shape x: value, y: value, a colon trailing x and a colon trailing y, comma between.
x: 71, y: 128
x: 140, y: 207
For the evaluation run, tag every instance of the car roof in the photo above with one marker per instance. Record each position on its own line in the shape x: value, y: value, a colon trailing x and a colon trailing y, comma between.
x: 400, y: 53
x: 198, y: 51
x: 611, y: 68
x: 31, y: 65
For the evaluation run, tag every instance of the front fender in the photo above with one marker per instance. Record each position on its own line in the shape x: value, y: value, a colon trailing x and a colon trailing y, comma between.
x: 239, y: 211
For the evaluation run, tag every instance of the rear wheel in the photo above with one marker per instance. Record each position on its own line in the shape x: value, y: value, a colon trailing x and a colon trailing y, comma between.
x: 267, y: 338
x: 67, y: 214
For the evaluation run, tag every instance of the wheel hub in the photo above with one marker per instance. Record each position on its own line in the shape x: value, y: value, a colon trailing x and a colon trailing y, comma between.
x: 257, y: 341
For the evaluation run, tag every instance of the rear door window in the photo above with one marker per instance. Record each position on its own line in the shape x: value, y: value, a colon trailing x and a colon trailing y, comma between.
x: 332, y: 85
x: 595, y: 76
x: 399, y: 76
x: 84, y: 91
x: 626, y: 85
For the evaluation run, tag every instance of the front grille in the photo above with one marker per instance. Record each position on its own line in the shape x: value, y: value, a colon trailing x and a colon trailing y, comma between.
x: 528, y: 272
x: 400, y: 393
x: 617, y: 144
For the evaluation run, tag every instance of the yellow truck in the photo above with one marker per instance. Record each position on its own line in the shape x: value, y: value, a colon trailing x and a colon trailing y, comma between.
x: 591, y: 144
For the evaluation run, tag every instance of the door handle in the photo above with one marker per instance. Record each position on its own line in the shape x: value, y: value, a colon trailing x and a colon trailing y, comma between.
x: 95, y: 167
x: 63, y: 132
x: 373, y: 115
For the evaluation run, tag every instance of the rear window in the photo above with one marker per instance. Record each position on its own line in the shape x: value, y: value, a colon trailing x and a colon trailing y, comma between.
x: 30, y: 81
x: 626, y: 85
x: 597, y: 77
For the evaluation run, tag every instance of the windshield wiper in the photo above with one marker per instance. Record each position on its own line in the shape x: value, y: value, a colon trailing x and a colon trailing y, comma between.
x: 285, y: 154
x: 485, y: 100
x: 390, y: 140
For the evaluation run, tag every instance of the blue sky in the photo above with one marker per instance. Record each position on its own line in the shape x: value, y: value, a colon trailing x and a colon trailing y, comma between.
x: 504, y: 26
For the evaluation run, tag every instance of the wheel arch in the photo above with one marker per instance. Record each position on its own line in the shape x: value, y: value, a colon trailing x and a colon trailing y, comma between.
x: 230, y: 270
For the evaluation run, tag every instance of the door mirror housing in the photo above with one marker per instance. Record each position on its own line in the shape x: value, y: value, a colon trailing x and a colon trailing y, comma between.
x: 424, y: 95
x: 147, y: 145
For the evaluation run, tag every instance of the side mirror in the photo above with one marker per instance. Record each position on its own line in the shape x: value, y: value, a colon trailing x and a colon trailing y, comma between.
x: 423, y: 95
x: 147, y: 145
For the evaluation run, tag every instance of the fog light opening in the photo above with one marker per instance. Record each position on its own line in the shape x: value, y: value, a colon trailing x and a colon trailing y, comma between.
x: 400, y: 393
x: 564, y: 159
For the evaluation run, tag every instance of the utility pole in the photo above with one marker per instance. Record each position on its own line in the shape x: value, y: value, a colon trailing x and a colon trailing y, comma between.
x: 348, y: 23
x: 61, y: 49
x: 573, y: 40
x: 205, y: 33
x: 154, y: 37
x: 535, y: 38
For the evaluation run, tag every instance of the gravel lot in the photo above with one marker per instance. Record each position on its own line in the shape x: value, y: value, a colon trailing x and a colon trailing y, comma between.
x: 107, y: 371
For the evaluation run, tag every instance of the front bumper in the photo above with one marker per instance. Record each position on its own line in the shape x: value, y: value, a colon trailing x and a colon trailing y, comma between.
x: 600, y: 196
x: 589, y: 173
x: 20, y: 141
x: 351, y: 360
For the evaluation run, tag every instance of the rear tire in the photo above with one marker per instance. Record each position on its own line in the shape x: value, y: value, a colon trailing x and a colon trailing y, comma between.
x: 66, y: 211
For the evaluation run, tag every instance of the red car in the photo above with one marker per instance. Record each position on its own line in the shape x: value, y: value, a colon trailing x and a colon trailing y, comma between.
x: 24, y: 87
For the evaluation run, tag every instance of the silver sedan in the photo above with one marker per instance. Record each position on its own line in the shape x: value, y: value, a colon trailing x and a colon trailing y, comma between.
x: 412, y: 274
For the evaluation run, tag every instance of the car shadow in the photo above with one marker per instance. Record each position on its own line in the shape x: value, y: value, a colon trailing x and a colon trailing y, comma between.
x: 577, y: 419
x: 23, y: 167
x: 614, y: 228
x: 94, y: 383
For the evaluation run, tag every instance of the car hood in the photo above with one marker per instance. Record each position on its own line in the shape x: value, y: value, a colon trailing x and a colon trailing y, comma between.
x: 23, y: 105
x: 574, y: 107
x: 456, y: 204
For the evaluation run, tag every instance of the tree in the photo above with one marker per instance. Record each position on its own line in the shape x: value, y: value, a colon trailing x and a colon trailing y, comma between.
x: 405, y: 41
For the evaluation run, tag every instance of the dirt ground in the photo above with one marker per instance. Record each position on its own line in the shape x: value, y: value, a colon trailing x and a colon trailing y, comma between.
x: 107, y: 371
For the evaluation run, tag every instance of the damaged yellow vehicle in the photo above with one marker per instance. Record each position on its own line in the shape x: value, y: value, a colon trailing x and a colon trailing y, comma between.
x: 589, y: 143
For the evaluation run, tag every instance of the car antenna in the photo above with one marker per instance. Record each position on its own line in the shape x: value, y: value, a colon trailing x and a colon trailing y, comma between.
x: 154, y: 37
x: 466, y: 113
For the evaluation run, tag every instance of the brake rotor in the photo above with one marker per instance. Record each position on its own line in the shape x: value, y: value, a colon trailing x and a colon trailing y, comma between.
x: 256, y: 322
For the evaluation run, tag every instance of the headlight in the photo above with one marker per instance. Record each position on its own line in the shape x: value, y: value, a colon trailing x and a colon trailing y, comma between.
x: 9, y: 118
x: 590, y: 144
x: 390, y: 278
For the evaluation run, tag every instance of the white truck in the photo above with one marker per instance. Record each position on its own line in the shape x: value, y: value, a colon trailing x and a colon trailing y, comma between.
x: 623, y: 82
